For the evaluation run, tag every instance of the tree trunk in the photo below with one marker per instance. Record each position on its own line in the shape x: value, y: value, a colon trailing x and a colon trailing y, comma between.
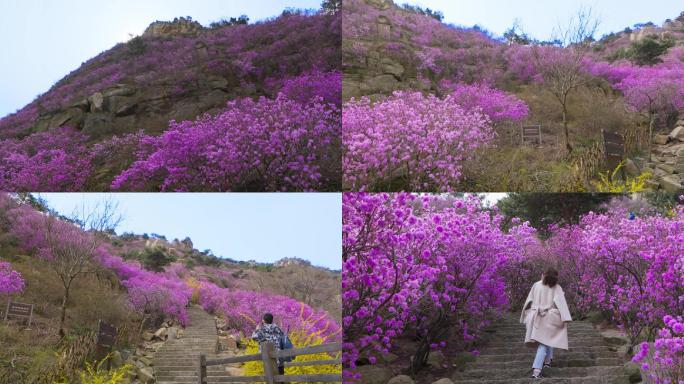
x: 565, y: 128
x: 651, y: 122
x: 65, y: 300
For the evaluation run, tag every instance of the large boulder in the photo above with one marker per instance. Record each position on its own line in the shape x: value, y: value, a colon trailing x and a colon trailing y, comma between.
x: 121, y: 105
x: 146, y: 375
x: 119, y: 90
x: 161, y: 333
x: 96, y: 101
x: 436, y: 358
x: 374, y: 374
x: 402, y: 379
x: 443, y: 381
x: 182, y: 26
x: 71, y: 117
x: 631, y: 169
x: 677, y: 133
x: 672, y: 184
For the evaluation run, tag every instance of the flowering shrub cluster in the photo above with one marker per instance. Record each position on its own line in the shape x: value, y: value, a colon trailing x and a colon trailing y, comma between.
x: 420, y: 140
x: 429, y: 263
x: 441, y: 268
x: 47, y: 161
x: 664, y: 361
x: 283, y: 144
x: 632, y: 269
x: 159, y: 295
x: 275, y: 145
x: 498, y: 105
x: 287, y: 140
x: 150, y: 293
x: 11, y: 281
x: 243, y: 311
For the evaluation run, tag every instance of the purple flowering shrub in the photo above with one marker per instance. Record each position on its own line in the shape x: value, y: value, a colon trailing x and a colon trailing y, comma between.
x: 275, y: 145
x: 426, y: 263
x: 439, y: 268
x: 11, y: 281
x: 56, y: 160
x: 420, y: 140
x: 663, y: 362
x: 498, y: 105
x: 631, y: 269
x: 243, y: 311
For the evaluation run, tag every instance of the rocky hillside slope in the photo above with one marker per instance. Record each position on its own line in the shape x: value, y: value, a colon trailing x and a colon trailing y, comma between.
x: 178, y: 70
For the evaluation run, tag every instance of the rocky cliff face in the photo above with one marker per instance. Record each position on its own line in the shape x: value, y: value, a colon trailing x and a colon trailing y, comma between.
x: 177, y: 27
x: 377, y: 62
x: 126, y: 108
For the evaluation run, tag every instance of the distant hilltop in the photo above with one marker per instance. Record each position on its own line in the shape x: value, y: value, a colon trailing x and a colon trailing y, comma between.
x: 183, y: 26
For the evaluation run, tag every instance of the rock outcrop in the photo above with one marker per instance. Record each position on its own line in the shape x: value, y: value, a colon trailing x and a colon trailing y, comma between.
x: 123, y: 108
x: 177, y: 27
x: 667, y: 161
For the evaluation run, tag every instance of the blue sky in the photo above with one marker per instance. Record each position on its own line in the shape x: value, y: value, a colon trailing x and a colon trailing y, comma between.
x: 263, y: 226
x: 44, y: 40
x: 539, y: 17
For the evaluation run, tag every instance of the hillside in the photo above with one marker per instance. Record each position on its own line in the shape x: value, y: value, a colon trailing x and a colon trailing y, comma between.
x: 112, y: 110
x: 145, y: 286
x: 629, y: 83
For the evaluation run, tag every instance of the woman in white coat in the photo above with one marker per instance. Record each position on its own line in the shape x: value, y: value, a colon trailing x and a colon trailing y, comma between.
x: 545, y: 315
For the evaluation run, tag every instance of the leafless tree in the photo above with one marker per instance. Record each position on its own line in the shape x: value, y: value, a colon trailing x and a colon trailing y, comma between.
x: 562, y: 69
x: 73, y: 242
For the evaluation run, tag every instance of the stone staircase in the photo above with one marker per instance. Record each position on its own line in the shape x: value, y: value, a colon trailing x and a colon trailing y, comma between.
x: 505, y: 359
x: 176, y: 362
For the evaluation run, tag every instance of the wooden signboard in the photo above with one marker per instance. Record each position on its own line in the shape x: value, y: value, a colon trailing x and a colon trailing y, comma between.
x: 531, y: 134
x: 614, y: 148
x: 106, y: 335
x: 19, y: 310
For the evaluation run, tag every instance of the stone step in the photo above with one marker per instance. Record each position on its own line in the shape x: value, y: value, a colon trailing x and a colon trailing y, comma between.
x: 518, y: 330
x: 552, y: 372
x: 559, y: 355
x: 558, y: 363
x: 613, y: 379
x: 587, y: 342
x: 518, y: 349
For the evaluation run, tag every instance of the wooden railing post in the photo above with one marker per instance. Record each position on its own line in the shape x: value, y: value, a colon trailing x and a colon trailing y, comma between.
x: 268, y: 358
x: 202, y: 369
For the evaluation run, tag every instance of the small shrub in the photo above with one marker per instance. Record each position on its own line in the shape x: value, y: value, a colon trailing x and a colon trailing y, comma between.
x: 137, y: 46
x: 612, y: 183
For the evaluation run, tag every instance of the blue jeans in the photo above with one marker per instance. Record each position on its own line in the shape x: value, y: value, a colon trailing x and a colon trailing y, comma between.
x: 543, y: 353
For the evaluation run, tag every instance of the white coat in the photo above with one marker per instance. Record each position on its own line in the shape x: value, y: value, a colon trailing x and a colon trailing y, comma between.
x: 545, y: 314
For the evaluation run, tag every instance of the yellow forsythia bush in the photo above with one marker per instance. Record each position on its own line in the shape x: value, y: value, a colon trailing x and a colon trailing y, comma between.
x: 299, y: 339
x: 195, y: 286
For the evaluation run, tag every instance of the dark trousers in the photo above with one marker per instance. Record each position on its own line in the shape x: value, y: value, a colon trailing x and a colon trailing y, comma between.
x: 281, y: 370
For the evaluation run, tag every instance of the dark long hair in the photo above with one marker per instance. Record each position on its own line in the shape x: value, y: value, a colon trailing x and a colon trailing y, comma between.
x: 550, y: 277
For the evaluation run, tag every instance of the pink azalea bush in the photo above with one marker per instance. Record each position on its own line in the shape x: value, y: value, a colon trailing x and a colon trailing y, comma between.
x: 422, y: 140
x: 663, y: 362
x: 429, y: 263
x: 11, y: 281
x: 243, y: 311
x: 55, y: 160
x: 149, y: 292
x: 632, y: 269
x: 498, y: 105
x: 276, y: 145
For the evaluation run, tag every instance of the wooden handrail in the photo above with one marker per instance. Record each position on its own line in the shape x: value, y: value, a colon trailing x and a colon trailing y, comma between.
x: 269, y: 358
